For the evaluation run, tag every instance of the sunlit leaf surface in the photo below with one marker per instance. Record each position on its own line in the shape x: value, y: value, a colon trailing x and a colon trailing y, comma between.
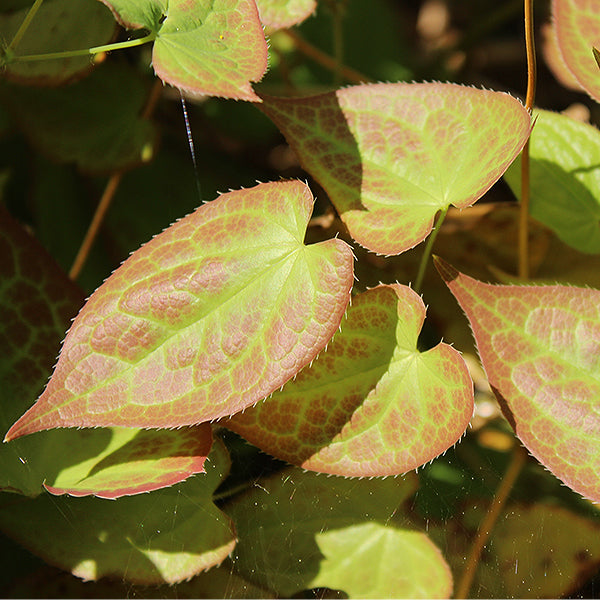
x: 540, y: 347
x: 372, y: 404
x: 215, y: 48
x: 577, y: 24
x: 56, y: 27
x: 390, y: 156
x: 338, y: 533
x: 564, y: 179
x: 36, y: 302
x: 209, y: 317
x: 166, y: 536
x: 279, y: 14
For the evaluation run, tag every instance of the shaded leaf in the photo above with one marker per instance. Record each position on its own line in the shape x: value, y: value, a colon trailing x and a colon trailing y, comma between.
x: 209, y: 317
x: 336, y: 533
x: 564, y: 179
x: 279, y: 14
x: 577, y: 24
x: 372, y: 404
x: 214, y: 48
x: 167, y: 536
x: 390, y: 156
x: 56, y: 27
x: 36, y: 301
x: 94, y: 123
x: 553, y: 58
x: 540, y: 347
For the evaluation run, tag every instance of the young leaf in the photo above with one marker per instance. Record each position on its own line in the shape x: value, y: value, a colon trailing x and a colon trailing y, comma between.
x: 214, y: 48
x: 372, y: 404
x: 94, y: 123
x: 36, y: 301
x: 166, y: 536
x: 279, y: 14
x: 577, y: 24
x: 564, y: 179
x: 390, y: 156
x: 540, y: 347
x: 57, y: 27
x: 337, y: 533
x: 209, y: 317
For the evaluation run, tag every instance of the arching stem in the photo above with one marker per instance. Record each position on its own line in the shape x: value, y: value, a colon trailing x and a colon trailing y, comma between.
x: 428, y: 248
x: 23, y: 27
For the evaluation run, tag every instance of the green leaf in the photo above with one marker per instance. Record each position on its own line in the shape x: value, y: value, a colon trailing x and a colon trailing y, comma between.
x: 214, y: 48
x: 206, y: 319
x: 577, y: 24
x: 36, y: 301
x: 372, y: 404
x: 167, y: 536
x: 540, y: 347
x: 94, y: 123
x: 390, y: 156
x: 337, y: 533
x: 564, y: 179
x: 56, y: 27
x: 282, y: 14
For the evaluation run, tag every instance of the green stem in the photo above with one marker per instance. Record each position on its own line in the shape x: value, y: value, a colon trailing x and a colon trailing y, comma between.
x: 428, y: 248
x: 24, y: 25
x: 96, y: 50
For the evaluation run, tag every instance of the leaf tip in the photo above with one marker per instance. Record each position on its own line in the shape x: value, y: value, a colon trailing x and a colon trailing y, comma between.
x: 446, y: 270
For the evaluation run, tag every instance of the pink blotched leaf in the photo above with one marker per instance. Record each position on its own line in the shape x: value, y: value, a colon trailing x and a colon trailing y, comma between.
x: 540, y: 347
x: 390, y: 156
x: 279, y: 14
x: 577, y: 30
x: 215, y: 48
x: 372, y: 404
x: 208, y: 318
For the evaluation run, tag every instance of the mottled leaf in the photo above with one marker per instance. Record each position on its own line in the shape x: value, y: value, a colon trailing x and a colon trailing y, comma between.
x: 564, y: 179
x: 94, y: 123
x: 337, y: 533
x: 540, y: 347
x: 209, y: 317
x: 280, y: 14
x: 214, y: 48
x: 36, y: 301
x: 166, y: 536
x: 577, y: 24
x: 372, y: 404
x: 56, y: 27
x: 390, y: 156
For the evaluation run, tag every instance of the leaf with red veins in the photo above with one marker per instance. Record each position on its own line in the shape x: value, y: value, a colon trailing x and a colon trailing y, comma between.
x: 577, y: 27
x: 281, y: 14
x: 209, y: 317
x: 540, y: 347
x: 203, y: 48
x: 390, y: 156
x: 372, y: 404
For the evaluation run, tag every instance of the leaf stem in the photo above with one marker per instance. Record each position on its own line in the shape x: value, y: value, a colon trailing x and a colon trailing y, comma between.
x: 427, y: 252
x: 324, y: 59
x: 87, y: 51
x: 517, y: 462
x: 23, y: 27
x: 529, y: 100
x: 107, y: 196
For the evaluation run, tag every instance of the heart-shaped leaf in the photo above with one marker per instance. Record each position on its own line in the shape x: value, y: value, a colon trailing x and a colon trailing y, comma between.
x: 390, y: 156
x: 209, y: 317
x: 57, y: 27
x: 577, y: 25
x: 540, y: 347
x: 564, y: 179
x: 281, y: 14
x: 372, y: 404
x: 94, y: 123
x: 36, y: 301
x: 338, y: 533
x: 166, y: 536
x: 214, y: 48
